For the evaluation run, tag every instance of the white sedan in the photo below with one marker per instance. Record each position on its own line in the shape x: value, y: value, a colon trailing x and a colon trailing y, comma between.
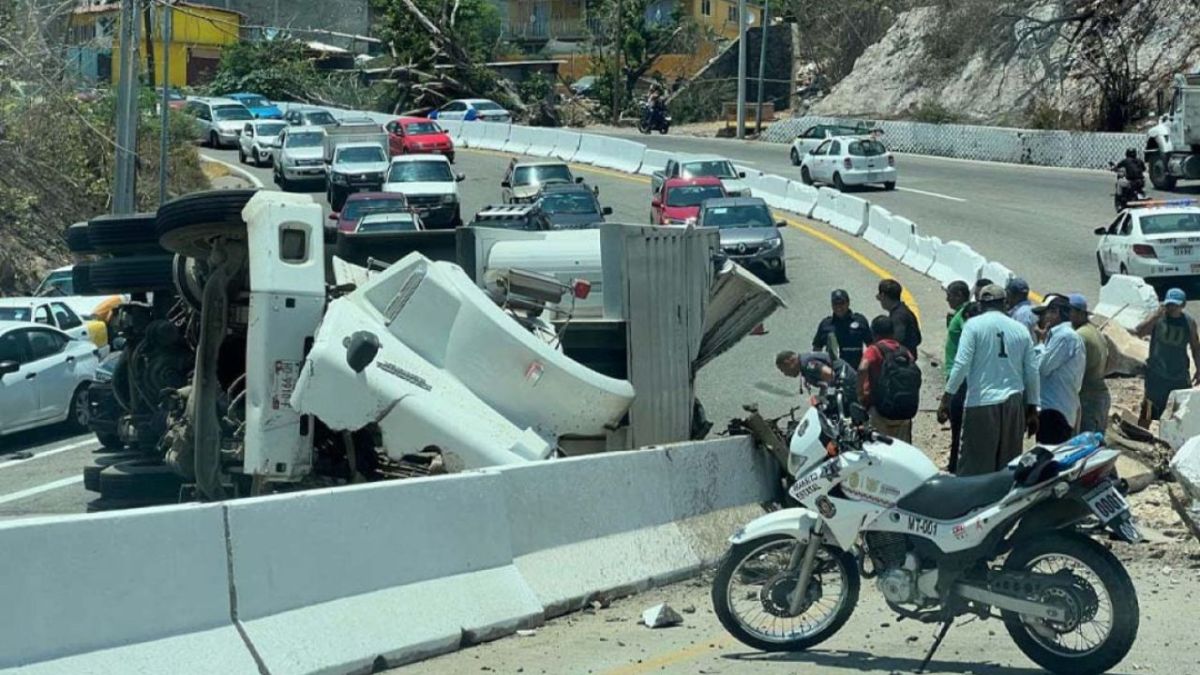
x: 1156, y: 240
x: 56, y: 313
x: 44, y: 377
x: 258, y: 140
x: 814, y: 136
x: 848, y: 160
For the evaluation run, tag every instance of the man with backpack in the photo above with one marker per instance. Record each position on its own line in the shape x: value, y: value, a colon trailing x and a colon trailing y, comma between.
x: 889, y: 382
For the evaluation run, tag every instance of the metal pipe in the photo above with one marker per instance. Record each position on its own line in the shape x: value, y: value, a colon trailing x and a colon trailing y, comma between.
x: 164, y: 141
x: 741, y: 76
x: 762, y: 64
x: 125, y: 168
x: 796, y: 601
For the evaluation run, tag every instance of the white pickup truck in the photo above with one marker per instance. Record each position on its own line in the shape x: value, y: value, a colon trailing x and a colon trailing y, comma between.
x: 356, y: 159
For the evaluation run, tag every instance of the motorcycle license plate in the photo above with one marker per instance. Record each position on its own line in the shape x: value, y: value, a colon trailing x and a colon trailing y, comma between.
x: 1107, y: 503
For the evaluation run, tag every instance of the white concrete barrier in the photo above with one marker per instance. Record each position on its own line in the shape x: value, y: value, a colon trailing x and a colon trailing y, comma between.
x: 610, y: 153
x: 921, y: 253
x: 772, y: 189
x: 1181, y: 419
x: 332, y: 580
x: 620, y: 522
x: 889, y: 233
x: 519, y: 139
x: 654, y: 160
x: 955, y: 261
x: 472, y: 133
x: 803, y: 198
x: 493, y: 135
x: 1185, y: 466
x: 144, y: 591
x: 566, y: 145
x: 1126, y: 300
x: 998, y: 273
x: 542, y: 141
x: 590, y: 147
x: 453, y: 128
x: 846, y: 213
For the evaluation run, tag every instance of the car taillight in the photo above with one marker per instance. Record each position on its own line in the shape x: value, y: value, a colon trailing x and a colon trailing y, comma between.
x: 1144, y: 251
x: 847, y: 163
x: 891, y: 160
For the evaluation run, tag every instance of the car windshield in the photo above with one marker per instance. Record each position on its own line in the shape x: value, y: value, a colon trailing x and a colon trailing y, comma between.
x: 397, y: 222
x: 1171, y: 223
x: 58, y: 283
x: 254, y: 101
x: 569, y: 203
x: 271, y: 129
x: 355, y: 209
x: 420, y: 172
x: 487, y: 105
x: 530, y: 175
x: 847, y: 131
x: 232, y: 113
x: 422, y: 128
x: 867, y: 148
x: 15, y: 314
x: 372, y: 153
x: 718, y: 168
x: 730, y: 217
x: 692, y: 195
x: 320, y: 117
x: 304, y: 140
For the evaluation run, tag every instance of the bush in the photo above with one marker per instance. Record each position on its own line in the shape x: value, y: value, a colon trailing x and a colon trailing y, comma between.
x: 933, y: 111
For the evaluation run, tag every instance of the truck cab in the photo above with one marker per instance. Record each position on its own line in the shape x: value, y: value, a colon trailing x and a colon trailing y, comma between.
x: 1173, y: 145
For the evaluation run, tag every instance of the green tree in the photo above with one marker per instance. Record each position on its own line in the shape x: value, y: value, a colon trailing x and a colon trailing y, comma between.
x: 632, y: 35
x: 277, y: 69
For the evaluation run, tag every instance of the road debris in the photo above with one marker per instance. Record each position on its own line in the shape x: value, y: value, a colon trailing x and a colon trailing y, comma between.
x: 661, y: 616
x: 1185, y: 467
x: 1179, y: 423
x: 527, y: 632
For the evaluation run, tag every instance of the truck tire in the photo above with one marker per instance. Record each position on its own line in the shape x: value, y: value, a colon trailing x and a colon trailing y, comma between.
x: 91, y: 474
x: 187, y: 224
x: 133, y: 274
x: 77, y: 238
x: 1158, y: 172
x: 81, y: 279
x: 123, y: 234
x: 145, y: 479
x: 105, y: 504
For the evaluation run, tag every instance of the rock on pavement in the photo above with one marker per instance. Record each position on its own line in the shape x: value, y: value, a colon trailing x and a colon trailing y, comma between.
x: 661, y: 616
x: 1181, y: 419
x: 1185, y: 466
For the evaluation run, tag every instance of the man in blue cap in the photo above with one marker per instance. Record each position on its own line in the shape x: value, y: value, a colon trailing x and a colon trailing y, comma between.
x: 1094, y: 399
x: 1019, y: 306
x: 1171, y: 334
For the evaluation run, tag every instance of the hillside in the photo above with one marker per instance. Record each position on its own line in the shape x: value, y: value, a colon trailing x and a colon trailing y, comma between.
x: 1091, y: 64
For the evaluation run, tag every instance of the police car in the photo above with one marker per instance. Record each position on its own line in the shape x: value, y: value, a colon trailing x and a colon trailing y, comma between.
x: 1156, y: 240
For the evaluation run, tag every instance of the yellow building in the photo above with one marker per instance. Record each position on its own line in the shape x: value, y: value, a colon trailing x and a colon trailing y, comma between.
x: 198, y: 34
x: 721, y: 15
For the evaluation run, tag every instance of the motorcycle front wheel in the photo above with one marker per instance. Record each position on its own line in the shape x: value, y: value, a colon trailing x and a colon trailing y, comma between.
x: 1098, y: 593
x: 643, y: 126
x: 751, y: 589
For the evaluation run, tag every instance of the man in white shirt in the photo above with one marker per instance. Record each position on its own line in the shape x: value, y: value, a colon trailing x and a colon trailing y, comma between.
x: 1061, y: 362
x: 997, y: 364
x: 1020, y: 307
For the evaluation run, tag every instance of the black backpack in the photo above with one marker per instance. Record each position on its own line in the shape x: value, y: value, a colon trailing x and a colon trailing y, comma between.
x: 897, y: 394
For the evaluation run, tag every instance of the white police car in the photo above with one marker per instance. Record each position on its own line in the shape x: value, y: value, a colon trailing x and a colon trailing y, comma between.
x: 1156, y: 240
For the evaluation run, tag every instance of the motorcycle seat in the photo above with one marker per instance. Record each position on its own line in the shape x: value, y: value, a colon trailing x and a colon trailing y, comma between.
x: 947, y: 497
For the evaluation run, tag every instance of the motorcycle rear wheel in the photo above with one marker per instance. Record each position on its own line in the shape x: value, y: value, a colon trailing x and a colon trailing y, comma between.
x: 1100, y: 575
x: 643, y: 127
x: 746, y: 579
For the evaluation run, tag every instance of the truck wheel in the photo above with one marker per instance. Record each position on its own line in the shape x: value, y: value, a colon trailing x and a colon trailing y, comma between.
x: 81, y: 279
x: 77, y: 238
x: 91, y: 474
x: 124, y: 234
x: 133, y: 274
x: 1158, y: 173
x: 146, y: 479
x: 187, y: 225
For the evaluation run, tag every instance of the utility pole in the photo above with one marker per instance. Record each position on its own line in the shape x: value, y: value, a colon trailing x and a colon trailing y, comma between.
x: 147, y: 22
x: 617, y: 50
x: 762, y: 64
x: 125, y: 167
x: 741, y: 76
x: 164, y: 142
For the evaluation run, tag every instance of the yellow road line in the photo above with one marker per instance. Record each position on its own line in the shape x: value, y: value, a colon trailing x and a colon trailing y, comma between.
x: 672, y: 658
x: 811, y: 231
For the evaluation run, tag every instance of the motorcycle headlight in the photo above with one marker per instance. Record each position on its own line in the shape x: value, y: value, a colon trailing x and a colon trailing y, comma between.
x: 449, y: 199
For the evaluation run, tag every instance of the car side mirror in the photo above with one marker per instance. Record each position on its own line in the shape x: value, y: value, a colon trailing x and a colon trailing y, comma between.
x: 741, y: 174
x: 1100, y: 231
x: 333, y: 216
x: 781, y: 223
x: 361, y: 349
x: 578, y: 179
x: 460, y: 177
x: 7, y: 367
x: 606, y: 211
x: 505, y: 184
x: 656, y: 202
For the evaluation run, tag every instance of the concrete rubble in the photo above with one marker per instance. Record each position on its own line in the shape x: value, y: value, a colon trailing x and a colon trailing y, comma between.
x: 661, y: 616
x: 1127, y: 354
x: 1181, y: 419
x: 1185, y: 467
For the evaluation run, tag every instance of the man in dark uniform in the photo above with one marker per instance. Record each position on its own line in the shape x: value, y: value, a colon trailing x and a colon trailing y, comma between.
x: 845, y: 333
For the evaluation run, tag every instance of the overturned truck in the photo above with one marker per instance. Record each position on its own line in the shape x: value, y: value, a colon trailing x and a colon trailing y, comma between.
x: 251, y: 361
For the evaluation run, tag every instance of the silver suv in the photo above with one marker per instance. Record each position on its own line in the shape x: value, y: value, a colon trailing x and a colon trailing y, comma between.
x: 220, y: 120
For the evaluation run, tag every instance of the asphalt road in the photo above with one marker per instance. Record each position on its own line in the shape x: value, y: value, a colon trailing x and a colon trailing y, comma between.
x: 1038, y: 221
x: 819, y: 260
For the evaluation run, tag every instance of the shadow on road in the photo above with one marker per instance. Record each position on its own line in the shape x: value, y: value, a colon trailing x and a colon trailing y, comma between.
x: 860, y: 661
x: 28, y: 440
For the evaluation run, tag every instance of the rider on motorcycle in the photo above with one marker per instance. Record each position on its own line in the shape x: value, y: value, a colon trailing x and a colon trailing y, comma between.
x: 1135, y: 170
x: 655, y: 105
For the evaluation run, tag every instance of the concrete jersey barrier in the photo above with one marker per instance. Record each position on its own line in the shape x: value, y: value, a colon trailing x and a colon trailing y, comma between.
x: 145, y: 591
x: 620, y: 155
x: 542, y: 141
x: 472, y: 133
x: 846, y: 213
x: 955, y: 261
x: 889, y: 233
x: 566, y: 145
x: 998, y: 273
x: 520, y: 139
x: 493, y: 135
x: 803, y: 198
x: 654, y: 160
x: 590, y: 146
x: 1127, y: 300
x: 921, y: 253
x: 771, y: 189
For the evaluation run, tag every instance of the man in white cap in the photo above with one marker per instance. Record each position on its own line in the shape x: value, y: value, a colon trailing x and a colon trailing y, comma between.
x: 996, y: 362
x: 1094, y: 399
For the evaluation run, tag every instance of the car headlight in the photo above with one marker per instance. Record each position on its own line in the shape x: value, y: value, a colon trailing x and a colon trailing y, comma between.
x: 449, y: 199
x: 772, y: 244
x: 337, y: 178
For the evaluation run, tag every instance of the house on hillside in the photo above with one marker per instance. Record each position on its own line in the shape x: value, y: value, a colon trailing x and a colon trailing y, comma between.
x: 199, y: 32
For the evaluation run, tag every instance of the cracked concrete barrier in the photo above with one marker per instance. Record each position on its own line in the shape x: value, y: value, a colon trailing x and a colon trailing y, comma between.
x: 347, y: 579
x: 616, y: 523
x: 921, y: 253
x: 955, y: 261
x: 143, y: 591
x: 1181, y: 419
x: 1126, y: 300
x: 888, y: 232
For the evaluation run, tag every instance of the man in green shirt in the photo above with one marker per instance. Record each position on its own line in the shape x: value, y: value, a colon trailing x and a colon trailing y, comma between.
x: 958, y: 296
x: 1094, y: 399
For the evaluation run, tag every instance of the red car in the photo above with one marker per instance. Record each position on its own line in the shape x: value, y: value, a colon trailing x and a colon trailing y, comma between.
x: 679, y: 199
x: 417, y: 135
x: 361, y: 204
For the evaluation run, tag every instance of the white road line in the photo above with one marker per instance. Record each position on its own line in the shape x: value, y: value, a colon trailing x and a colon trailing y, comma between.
x: 55, y: 451
x: 254, y: 180
x: 33, y: 491
x: 932, y: 194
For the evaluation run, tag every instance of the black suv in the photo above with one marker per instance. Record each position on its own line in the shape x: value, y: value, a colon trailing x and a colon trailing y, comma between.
x: 571, y: 206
